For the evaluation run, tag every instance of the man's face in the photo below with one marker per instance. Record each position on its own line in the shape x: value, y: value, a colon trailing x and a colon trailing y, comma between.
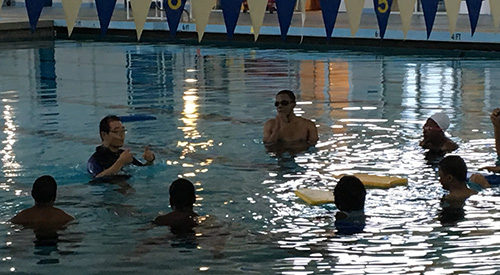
x: 431, y: 129
x: 116, y: 136
x: 444, y: 180
x: 284, y: 104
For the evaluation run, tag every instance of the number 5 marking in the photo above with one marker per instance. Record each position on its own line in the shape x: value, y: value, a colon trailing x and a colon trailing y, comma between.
x: 178, y: 4
x: 380, y: 9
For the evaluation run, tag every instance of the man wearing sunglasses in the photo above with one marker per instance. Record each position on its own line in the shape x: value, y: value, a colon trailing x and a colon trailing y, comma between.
x: 434, y: 135
x: 109, y: 158
x: 287, y: 128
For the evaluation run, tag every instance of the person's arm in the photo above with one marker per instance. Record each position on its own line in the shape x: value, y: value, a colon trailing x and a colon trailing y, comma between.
x: 312, y: 133
x: 495, y: 119
x: 479, y: 179
x: 125, y: 158
x: 271, y: 131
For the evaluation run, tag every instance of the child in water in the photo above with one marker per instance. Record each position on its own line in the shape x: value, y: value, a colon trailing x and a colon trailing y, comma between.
x: 350, y: 196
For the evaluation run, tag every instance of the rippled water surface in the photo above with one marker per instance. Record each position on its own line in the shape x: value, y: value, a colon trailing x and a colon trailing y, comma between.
x: 211, y: 104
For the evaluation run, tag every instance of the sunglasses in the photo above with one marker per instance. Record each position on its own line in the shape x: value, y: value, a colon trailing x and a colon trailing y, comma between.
x: 283, y: 103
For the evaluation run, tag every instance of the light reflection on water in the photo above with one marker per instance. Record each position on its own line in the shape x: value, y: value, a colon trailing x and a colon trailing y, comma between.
x: 210, y: 106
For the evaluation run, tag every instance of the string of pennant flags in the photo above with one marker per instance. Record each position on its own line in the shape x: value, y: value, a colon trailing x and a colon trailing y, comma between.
x: 201, y: 10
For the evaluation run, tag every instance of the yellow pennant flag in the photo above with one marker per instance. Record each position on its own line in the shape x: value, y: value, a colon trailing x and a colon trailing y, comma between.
x: 406, y: 8
x: 354, y: 9
x: 140, y: 9
x: 201, y: 13
x: 495, y: 12
x: 71, y: 8
x: 452, y: 8
x: 257, y: 9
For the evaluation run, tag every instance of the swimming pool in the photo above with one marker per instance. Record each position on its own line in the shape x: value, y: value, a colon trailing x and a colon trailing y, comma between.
x: 211, y: 104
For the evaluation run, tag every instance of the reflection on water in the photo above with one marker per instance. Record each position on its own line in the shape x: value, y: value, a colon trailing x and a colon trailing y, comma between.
x: 211, y: 104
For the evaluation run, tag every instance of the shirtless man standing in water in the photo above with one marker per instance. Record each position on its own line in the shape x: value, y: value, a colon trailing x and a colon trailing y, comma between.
x: 288, y: 129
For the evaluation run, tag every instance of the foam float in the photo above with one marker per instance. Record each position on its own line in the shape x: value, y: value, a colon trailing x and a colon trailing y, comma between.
x: 136, y: 117
x: 315, y: 196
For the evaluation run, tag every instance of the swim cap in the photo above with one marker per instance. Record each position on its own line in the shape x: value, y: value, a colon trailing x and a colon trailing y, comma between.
x: 442, y: 120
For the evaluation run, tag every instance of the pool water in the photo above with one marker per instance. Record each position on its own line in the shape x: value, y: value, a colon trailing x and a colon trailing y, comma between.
x: 211, y: 104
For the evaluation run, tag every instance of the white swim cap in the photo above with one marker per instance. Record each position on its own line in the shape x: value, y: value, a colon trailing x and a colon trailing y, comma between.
x: 442, y: 120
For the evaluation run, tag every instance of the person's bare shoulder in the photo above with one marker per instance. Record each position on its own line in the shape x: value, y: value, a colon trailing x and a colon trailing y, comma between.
x: 21, y: 217
x: 61, y: 216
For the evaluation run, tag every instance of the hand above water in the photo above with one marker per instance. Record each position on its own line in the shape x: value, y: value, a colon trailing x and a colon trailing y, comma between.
x: 495, y: 117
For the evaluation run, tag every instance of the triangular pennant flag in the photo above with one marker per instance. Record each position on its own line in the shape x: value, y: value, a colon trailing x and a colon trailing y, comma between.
x: 354, y: 9
x: 495, y: 13
x: 257, y: 10
x: 173, y: 11
x: 231, y: 11
x: 34, y: 8
x: 285, y: 12
x: 140, y: 9
x: 382, y: 10
x: 201, y: 13
x: 430, y: 8
x: 406, y: 8
x: 329, y: 9
x: 474, y: 7
x: 452, y: 9
x: 71, y: 8
x: 105, y: 10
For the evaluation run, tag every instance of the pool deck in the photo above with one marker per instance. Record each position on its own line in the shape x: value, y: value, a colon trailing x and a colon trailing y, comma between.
x: 14, y: 26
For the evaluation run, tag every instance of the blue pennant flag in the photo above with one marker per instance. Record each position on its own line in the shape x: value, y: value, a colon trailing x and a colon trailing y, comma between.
x: 231, y: 11
x: 105, y: 10
x: 329, y: 9
x: 430, y: 8
x: 173, y: 11
x: 34, y: 9
x: 474, y: 7
x: 382, y: 10
x: 285, y: 12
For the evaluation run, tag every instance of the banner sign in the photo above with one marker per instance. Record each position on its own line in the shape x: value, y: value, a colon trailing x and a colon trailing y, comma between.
x: 285, y: 12
x: 34, y: 9
x: 329, y: 9
x: 231, y: 11
x: 173, y: 11
x: 105, y: 10
x: 474, y: 7
x: 430, y: 8
x: 382, y: 10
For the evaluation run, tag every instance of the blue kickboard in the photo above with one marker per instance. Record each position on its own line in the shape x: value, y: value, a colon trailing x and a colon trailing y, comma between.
x: 136, y: 117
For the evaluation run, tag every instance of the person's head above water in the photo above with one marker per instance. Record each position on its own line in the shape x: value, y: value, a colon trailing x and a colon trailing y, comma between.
x: 452, y: 168
x: 112, y: 131
x: 349, y: 194
x: 440, y: 120
x: 44, y: 190
x: 182, y: 194
x: 285, y: 102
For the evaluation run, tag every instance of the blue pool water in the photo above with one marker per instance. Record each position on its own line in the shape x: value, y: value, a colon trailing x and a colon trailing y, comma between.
x: 211, y: 104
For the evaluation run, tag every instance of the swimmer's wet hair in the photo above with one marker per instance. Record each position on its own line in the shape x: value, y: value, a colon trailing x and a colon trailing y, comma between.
x: 454, y: 166
x: 182, y: 193
x: 289, y: 93
x: 349, y: 194
x: 44, y: 189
